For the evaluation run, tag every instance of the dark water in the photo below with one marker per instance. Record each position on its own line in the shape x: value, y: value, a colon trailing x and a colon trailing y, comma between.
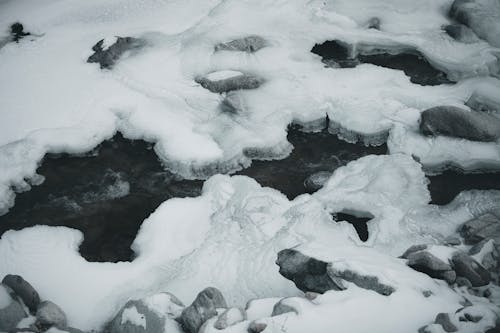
x: 359, y: 223
x: 446, y: 186
x: 312, y: 152
x: 90, y: 194
x: 413, y: 64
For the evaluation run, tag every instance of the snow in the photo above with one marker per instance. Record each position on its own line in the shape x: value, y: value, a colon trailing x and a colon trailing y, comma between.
x: 221, y: 75
x: 131, y: 315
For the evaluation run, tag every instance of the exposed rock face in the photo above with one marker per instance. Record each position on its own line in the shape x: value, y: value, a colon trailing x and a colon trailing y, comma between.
x: 24, y: 290
x: 459, y: 123
x: 307, y: 273
x: 467, y: 267
x: 203, y: 308
x: 316, y: 181
x: 243, y: 81
x: 49, y: 314
x: 11, y: 310
x: 481, y: 16
x: 106, y: 58
x: 483, y: 227
x: 248, y: 44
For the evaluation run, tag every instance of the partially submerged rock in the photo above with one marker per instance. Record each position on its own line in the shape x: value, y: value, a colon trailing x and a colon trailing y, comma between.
x: 236, y: 82
x: 107, y: 57
x: 11, y: 310
x: 459, y: 123
x: 248, y: 44
x: 203, y: 308
x: 24, y: 290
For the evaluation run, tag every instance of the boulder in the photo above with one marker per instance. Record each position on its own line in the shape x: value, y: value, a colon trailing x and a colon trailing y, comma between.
x: 443, y: 319
x: 465, y: 266
x: 483, y: 227
x: 49, y: 314
x: 316, y: 181
x: 307, y: 273
x: 425, y: 262
x: 203, y: 308
x: 459, y: 123
x: 412, y: 249
x: 237, y: 82
x: 107, y: 58
x: 24, y: 290
x: 488, y: 250
x: 248, y: 44
x: 282, y: 307
x: 361, y: 280
x: 11, y: 310
x: 229, y: 317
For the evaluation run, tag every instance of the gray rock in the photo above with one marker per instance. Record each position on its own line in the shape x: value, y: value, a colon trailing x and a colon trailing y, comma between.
x: 12, y: 311
x: 481, y: 16
x: 363, y: 281
x: 49, y: 314
x: 459, y: 123
x: 490, y: 259
x: 108, y: 57
x: 24, y: 290
x: 243, y: 81
x: 461, y: 33
x: 229, y: 317
x: 316, y: 181
x: 469, y: 268
x: 484, y: 227
x: 463, y: 282
x: 443, y: 319
x: 203, y: 308
x: 248, y: 44
x: 412, y: 249
x: 427, y: 263
x: 281, y: 307
x: 452, y: 240
x: 256, y: 327
x: 307, y: 273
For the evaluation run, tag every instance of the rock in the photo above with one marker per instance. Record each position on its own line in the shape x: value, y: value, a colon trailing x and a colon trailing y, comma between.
x: 412, y: 249
x: 316, y: 181
x: 459, y: 123
x: 307, y: 273
x: 203, y: 308
x: 443, y: 319
x: 24, y: 290
x: 461, y: 33
x: 489, y: 252
x: 463, y: 282
x: 374, y: 23
x: 148, y: 315
x: 17, y: 32
x: 310, y: 295
x: 470, y: 269
x: 483, y: 227
x: 248, y: 44
x: 427, y: 263
x: 361, y: 280
x: 108, y: 57
x: 484, y: 101
x: 256, y: 327
x: 229, y: 317
x: 49, y: 314
x: 242, y: 81
x: 452, y: 240
x: 481, y: 16
x: 281, y: 307
x: 11, y: 310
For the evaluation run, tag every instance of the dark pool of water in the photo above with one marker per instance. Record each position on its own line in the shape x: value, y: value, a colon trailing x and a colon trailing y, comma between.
x: 312, y: 152
x: 446, y: 186
x: 106, y: 196
x: 413, y: 64
x: 359, y: 223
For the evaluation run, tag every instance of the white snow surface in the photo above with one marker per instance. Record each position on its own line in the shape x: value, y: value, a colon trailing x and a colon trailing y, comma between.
x: 132, y: 316
x: 53, y: 101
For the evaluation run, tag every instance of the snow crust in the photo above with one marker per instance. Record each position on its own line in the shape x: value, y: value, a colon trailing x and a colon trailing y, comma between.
x: 54, y: 101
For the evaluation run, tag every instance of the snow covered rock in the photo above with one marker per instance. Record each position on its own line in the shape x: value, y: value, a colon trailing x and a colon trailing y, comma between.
x: 467, y: 267
x: 425, y: 262
x: 11, y: 310
x: 248, y: 44
x: 256, y: 327
x: 459, y: 123
x: 443, y: 319
x: 229, y: 317
x: 49, y: 314
x: 203, y: 308
x: 487, y: 253
x: 472, y: 318
x: 232, y: 81
x: 152, y: 314
x: 307, y: 273
x: 24, y: 290
x: 483, y: 227
x: 107, y: 57
x: 316, y: 181
x: 282, y: 307
x: 481, y: 16
x: 461, y: 33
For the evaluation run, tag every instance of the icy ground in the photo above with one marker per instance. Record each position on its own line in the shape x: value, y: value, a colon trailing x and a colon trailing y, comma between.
x: 165, y: 90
